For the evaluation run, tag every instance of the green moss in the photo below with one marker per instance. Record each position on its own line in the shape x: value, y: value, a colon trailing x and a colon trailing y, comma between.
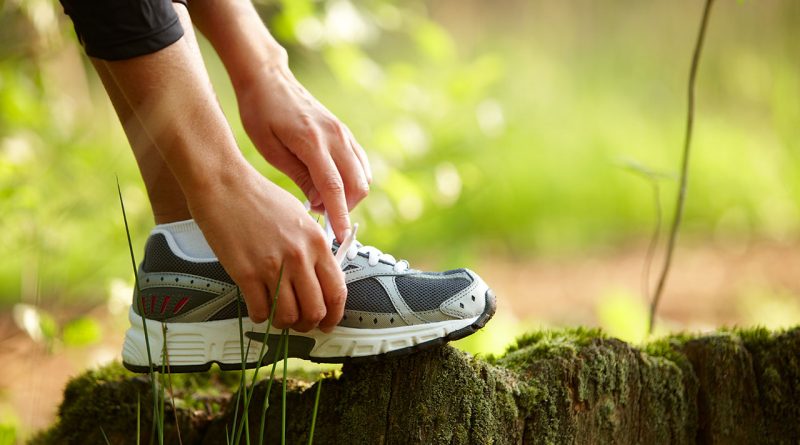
x: 776, y: 366
x: 580, y: 336
x: 669, y: 347
x: 110, y: 396
x: 755, y: 336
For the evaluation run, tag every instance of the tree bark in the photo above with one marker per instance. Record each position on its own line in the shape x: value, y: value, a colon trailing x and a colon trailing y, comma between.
x: 558, y: 387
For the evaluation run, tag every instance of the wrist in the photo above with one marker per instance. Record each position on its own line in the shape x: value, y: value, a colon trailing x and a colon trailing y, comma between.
x: 241, y: 39
x: 209, y: 177
x: 270, y: 63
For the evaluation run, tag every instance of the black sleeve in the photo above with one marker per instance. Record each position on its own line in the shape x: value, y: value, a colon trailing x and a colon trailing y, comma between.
x: 122, y: 29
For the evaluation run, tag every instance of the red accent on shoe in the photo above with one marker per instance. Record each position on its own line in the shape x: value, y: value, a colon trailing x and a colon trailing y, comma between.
x: 144, y: 305
x: 164, y: 303
x: 180, y: 305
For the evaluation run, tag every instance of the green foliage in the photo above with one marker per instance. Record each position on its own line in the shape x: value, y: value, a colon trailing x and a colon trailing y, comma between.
x: 8, y: 434
x: 623, y: 316
x: 82, y: 331
x: 486, y: 134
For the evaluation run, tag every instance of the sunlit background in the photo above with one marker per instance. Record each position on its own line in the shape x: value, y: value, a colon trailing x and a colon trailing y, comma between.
x: 522, y: 139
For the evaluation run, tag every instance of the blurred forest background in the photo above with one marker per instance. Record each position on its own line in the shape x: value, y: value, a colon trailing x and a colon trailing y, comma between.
x: 523, y: 139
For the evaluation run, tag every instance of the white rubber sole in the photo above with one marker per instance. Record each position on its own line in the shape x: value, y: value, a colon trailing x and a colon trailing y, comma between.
x: 192, y: 347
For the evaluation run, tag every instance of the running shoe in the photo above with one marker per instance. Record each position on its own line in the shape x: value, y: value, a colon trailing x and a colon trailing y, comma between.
x: 390, y: 310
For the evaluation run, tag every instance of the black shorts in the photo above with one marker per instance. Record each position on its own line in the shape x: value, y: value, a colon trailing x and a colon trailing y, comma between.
x: 121, y: 29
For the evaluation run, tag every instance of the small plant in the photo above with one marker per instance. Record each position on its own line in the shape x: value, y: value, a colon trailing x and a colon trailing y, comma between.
x: 684, y: 176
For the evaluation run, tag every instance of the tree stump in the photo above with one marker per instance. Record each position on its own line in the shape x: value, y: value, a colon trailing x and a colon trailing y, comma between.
x: 572, y: 386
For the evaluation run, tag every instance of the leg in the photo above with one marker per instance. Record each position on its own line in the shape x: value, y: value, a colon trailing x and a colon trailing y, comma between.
x: 166, y: 197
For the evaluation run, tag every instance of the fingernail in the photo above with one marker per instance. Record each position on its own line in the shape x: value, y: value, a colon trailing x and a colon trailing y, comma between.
x: 345, y: 235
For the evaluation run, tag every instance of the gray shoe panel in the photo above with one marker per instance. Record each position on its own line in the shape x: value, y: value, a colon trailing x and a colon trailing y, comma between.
x: 425, y: 292
x: 470, y: 302
x: 158, y: 257
x: 368, y: 295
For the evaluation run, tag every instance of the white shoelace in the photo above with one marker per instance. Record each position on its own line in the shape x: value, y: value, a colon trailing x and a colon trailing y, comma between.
x: 350, y: 248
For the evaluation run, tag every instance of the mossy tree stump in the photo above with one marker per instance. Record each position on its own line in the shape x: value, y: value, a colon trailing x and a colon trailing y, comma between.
x: 554, y: 387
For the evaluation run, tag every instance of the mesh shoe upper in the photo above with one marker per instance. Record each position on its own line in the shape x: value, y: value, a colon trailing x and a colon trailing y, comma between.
x: 379, y: 296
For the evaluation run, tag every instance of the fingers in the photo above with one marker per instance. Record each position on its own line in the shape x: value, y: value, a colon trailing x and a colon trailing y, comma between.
x: 334, y: 291
x: 284, y: 160
x: 332, y: 191
x: 309, y: 299
x: 255, y: 296
x: 287, y: 312
x: 360, y: 154
x: 352, y: 170
x: 302, y: 306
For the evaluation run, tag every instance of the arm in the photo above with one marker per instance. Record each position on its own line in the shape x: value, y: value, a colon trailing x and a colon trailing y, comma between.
x: 291, y: 129
x: 252, y: 225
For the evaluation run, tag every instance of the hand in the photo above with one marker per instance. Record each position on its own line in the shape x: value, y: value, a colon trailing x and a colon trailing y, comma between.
x: 300, y: 137
x: 254, y: 227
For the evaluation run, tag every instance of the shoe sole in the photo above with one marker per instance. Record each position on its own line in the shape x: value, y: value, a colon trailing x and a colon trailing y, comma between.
x: 194, y: 347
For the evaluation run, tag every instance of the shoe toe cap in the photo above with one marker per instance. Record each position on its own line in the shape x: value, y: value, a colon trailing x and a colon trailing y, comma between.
x: 471, y: 301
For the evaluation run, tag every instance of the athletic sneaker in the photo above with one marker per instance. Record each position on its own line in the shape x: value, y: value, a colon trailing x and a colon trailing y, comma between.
x: 391, y: 309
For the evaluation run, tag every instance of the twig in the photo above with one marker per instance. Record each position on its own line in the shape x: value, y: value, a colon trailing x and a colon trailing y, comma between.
x: 653, y: 245
x: 676, y: 221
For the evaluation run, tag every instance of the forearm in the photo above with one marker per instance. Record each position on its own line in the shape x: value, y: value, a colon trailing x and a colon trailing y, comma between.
x: 172, y: 97
x: 240, y: 38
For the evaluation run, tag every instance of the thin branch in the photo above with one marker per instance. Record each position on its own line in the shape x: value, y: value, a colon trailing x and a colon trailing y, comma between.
x: 653, y: 245
x: 676, y: 221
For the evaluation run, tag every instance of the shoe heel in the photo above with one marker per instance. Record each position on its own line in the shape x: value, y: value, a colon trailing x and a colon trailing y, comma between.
x: 190, y: 347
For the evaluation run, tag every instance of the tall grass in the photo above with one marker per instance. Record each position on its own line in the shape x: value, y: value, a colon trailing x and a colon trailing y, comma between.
x: 157, y: 421
x: 240, y: 423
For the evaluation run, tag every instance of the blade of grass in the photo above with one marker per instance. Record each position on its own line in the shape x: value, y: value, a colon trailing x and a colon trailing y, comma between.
x: 161, y: 396
x: 169, y: 387
x: 138, y: 418
x: 245, y: 419
x: 138, y: 301
x: 263, y: 351
x: 161, y: 393
x: 104, y: 436
x: 283, y: 387
x: 314, y: 412
x: 265, y: 405
x: 242, y: 394
x: 246, y: 414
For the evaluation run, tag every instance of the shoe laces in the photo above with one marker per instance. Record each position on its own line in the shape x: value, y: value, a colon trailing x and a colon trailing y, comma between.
x: 351, y: 247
